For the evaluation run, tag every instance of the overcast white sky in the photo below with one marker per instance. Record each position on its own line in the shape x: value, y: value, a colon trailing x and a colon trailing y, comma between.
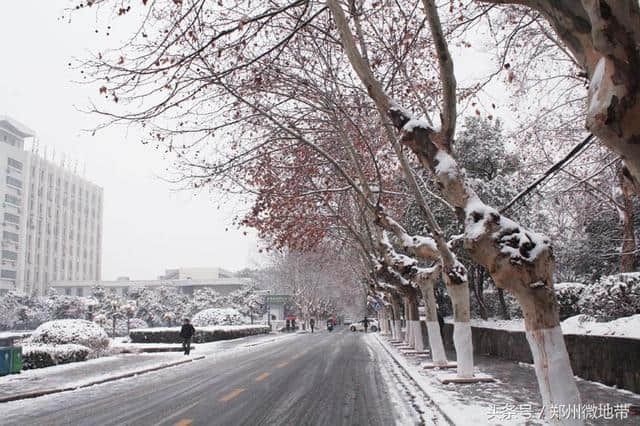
x: 148, y: 227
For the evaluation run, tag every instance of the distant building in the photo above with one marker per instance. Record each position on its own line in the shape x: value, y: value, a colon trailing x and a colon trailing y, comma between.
x: 187, y: 280
x: 52, y: 218
x: 195, y: 274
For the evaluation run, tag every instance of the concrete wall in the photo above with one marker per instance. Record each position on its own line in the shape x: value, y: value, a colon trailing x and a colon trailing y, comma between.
x: 606, y: 359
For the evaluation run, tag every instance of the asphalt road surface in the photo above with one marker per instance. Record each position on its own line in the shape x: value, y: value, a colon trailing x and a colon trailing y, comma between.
x: 310, y: 379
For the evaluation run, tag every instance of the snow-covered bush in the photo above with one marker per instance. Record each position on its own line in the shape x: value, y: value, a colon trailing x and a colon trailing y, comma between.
x: 121, y: 326
x: 218, y: 316
x: 21, y: 312
x: 61, y: 306
x: 568, y: 295
x: 40, y: 356
x: 203, y: 334
x: 612, y: 296
x: 67, y: 331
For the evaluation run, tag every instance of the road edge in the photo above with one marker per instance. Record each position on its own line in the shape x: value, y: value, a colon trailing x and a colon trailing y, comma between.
x: 407, y: 370
x: 39, y: 393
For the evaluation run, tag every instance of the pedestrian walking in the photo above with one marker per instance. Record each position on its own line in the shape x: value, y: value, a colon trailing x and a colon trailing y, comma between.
x: 365, y: 323
x: 186, y: 332
x: 312, y: 324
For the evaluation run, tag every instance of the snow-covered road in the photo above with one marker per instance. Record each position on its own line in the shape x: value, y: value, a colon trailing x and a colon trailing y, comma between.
x: 316, y: 379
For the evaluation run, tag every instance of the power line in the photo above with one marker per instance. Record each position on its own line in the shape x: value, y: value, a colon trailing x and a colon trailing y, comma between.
x: 552, y: 170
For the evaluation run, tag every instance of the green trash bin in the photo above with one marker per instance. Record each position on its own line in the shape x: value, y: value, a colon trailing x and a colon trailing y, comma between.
x: 16, y: 359
x: 5, y: 361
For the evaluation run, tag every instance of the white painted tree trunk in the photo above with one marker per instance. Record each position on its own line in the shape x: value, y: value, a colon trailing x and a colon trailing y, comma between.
x: 418, y: 337
x: 408, y: 338
x: 398, y: 327
x: 553, y: 371
x: 464, y: 348
x: 438, y: 354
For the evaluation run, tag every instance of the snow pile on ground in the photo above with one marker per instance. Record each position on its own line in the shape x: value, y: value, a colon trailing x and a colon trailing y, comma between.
x: 586, y: 324
x: 218, y: 316
x: 577, y: 324
x: 71, y: 331
x: 42, y: 355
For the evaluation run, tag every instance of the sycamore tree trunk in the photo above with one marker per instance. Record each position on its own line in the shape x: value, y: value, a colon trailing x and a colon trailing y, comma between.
x: 517, y: 259
x: 414, y: 329
x: 503, y: 305
x: 427, y: 288
x: 396, y: 305
x: 455, y: 278
x: 629, y: 247
x: 476, y: 281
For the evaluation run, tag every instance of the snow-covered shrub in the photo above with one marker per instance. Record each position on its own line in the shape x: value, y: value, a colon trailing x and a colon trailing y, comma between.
x: 61, y: 306
x: 203, y: 334
x: 21, y: 312
x: 218, y: 316
x: 612, y: 296
x: 121, y: 326
x: 568, y: 295
x: 40, y: 356
x: 66, y: 331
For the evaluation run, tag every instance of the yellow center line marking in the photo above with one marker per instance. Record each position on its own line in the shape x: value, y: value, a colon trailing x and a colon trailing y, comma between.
x: 262, y: 377
x: 231, y: 395
x: 184, y: 422
x: 283, y: 364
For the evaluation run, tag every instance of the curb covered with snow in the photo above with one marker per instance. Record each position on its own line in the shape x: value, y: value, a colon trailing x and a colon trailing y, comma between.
x: 38, y: 393
x: 408, y: 370
x: 455, y: 411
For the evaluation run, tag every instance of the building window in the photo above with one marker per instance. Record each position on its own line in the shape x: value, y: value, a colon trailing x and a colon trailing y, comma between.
x: 9, y: 236
x: 80, y: 291
x: 11, y: 218
x: 10, y: 255
x: 15, y: 164
x: 5, y: 273
x: 14, y: 182
x: 67, y: 291
x: 12, y: 200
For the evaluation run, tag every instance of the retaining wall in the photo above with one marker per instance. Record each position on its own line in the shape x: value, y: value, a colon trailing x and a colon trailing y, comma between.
x: 606, y: 359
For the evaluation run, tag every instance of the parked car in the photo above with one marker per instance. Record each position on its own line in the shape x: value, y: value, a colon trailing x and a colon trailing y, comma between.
x: 359, y: 326
x: 347, y: 321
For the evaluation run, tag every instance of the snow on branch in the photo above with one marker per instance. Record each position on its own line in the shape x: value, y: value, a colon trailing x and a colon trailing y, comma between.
x: 513, y: 240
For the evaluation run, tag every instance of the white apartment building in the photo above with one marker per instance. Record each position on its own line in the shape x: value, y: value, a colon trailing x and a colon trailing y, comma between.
x: 52, y: 218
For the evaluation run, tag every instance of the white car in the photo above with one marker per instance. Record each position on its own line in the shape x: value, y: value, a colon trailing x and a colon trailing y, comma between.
x: 359, y: 326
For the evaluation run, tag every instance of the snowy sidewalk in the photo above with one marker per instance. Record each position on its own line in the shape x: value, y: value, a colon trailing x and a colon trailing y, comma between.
x: 36, y: 382
x: 514, y: 394
x: 80, y: 374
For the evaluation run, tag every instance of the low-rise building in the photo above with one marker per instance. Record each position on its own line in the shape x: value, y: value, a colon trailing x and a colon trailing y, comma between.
x: 187, y: 280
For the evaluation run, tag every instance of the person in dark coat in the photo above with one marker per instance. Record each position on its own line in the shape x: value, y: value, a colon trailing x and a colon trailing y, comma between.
x: 186, y: 332
x: 365, y: 323
x: 312, y: 324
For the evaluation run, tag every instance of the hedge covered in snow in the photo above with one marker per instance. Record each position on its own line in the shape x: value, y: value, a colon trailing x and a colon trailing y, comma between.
x: 203, y: 334
x: 40, y: 356
x: 121, y: 326
x: 218, y: 316
x: 611, y: 297
x: 71, y: 331
x: 568, y: 295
